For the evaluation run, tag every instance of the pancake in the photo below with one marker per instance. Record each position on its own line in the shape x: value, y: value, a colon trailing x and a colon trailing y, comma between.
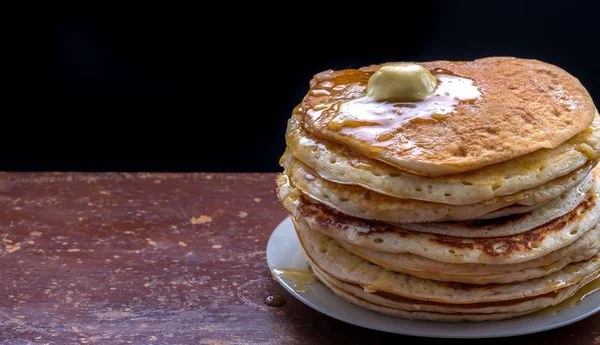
x: 513, y: 209
x: 469, y: 195
x: 525, y: 106
x: 382, y: 237
x: 421, y: 266
x: 529, y: 305
x: 514, y: 224
x: 362, y: 203
x: 417, y: 315
x: 412, y: 315
x: 330, y: 257
x: 418, y: 266
x: 342, y: 165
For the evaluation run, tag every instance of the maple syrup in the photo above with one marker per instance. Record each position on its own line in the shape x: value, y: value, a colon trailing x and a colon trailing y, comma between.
x: 300, y: 277
x: 351, y: 113
x: 274, y: 301
x: 573, y: 301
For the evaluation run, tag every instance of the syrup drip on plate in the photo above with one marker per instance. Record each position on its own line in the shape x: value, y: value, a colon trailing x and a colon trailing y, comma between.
x: 573, y: 301
x: 300, y: 277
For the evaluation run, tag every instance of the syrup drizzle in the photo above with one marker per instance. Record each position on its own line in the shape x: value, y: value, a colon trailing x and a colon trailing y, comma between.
x: 300, y: 277
x: 573, y: 301
x: 351, y: 113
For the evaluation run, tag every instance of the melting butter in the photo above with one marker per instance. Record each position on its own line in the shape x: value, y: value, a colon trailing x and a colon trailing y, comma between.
x: 401, y: 82
x: 379, y: 123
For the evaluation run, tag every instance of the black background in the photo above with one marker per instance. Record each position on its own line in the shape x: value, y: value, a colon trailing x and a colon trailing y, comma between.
x: 172, y: 88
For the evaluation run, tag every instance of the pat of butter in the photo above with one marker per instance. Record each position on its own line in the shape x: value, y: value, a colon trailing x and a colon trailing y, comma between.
x: 401, y: 82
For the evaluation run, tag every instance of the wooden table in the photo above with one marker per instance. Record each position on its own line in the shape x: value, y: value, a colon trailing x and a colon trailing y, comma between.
x: 161, y: 259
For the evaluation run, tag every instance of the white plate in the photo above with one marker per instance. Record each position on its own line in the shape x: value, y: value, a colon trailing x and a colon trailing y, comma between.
x: 284, y: 251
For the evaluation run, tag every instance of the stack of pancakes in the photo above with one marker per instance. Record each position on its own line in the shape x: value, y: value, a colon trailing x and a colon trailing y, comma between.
x: 484, y: 209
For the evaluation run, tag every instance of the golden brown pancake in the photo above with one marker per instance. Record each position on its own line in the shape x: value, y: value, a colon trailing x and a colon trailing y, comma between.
x: 383, y: 237
x: 449, y: 191
x: 525, y: 105
x: 390, y: 300
x: 419, y: 266
x: 415, y: 315
x: 337, y: 262
x: 363, y: 203
x: 343, y: 165
x: 516, y: 223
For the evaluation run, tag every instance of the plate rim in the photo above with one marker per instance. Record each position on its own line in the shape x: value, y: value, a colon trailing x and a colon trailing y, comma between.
x: 286, y: 222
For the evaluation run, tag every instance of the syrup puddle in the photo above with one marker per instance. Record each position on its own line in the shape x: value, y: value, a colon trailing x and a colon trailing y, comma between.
x: 300, y: 277
x: 573, y: 301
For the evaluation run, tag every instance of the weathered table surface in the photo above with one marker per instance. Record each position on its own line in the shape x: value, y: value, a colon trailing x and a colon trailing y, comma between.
x: 161, y: 259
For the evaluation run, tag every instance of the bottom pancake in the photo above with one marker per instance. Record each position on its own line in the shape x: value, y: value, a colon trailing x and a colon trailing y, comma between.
x: 415, y: 315
x: 418, y: 310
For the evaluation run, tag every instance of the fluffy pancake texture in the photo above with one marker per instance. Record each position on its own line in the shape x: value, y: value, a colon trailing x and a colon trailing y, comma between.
x: 332, y: 258
x: 382, y: 237
x: 340, y: 164
x: 406, y: 304
x: 418, y: 266
x: 513, y: 224
x: 375, y: 303
x: 363, y: 203
x: 526, y: 105
x: 479, y: 203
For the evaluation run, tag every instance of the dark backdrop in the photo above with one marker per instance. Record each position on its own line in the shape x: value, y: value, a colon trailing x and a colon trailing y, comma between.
x: 173, y: 88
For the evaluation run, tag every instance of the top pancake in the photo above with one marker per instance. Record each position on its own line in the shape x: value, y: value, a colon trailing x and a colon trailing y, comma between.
x: 525, y: 105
